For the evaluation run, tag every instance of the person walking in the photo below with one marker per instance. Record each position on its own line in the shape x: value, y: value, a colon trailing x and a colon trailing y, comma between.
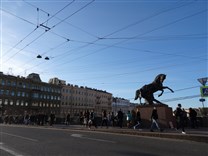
x: 52, y: 119
x: 120, y: 118
x: 137, y: 119
x: 154, y: 118
x: 129, y: 119
x: 104, y: 119
x: 68, y: 119
x: 193, y: 118
x: 180, y: 115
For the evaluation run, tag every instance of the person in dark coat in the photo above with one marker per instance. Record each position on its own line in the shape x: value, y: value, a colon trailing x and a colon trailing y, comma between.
x: 68, y: 119
x: 120, y: 118
x: 52, y: 119
x: 193, y: 118
x: 180, y: 117
x: 154, y: 118
x: 137, y: 119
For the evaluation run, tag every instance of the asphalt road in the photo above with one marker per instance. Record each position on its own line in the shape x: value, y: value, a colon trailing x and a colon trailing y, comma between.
x: 38, y: 141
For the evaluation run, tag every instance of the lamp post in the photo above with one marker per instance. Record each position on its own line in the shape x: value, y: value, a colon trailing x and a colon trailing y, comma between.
x: 46, y: 58
x: 202, y: 101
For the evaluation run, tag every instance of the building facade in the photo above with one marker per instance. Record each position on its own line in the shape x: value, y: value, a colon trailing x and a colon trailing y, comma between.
x: 19, y: 95
x: 76, y: 100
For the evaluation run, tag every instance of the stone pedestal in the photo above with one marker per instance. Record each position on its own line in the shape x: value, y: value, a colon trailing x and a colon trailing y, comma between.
x: 165, y: 115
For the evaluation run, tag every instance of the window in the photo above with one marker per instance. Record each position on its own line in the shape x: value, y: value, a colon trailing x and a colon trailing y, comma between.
x: 6, y: 101
x: 9, y: 83
x: 7, y: 92
x: 18, y: 93
x: 2, y: 82
x: 13, y: 83
x: 11, y: 102
x: 35, y: 95
x: 1, y: 92
x: 20, y: 84
x: 22, y: 103
x: 12, y: 93
x: 17, y: 102
x: 23, y: 94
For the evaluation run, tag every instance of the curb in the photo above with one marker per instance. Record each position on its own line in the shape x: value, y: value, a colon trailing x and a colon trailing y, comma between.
x: 190, y: 137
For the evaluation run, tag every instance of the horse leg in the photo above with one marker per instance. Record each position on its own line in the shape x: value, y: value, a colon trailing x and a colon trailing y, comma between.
x: 165, y: 87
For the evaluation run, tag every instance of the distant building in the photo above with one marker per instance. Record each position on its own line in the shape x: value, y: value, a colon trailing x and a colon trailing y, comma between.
x: 57, y: 81
x: 20, y: 94
x: 77, y: 99
x: 123, y: 104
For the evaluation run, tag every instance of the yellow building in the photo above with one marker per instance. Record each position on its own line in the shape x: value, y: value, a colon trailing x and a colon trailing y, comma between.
x: 77, y: 99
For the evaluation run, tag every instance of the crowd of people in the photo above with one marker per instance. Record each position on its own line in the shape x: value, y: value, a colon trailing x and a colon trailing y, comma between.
x: 131, y: 119
x: 30, y: 119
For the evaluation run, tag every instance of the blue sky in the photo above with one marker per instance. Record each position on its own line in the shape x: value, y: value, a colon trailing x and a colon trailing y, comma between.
x: 117, y: 45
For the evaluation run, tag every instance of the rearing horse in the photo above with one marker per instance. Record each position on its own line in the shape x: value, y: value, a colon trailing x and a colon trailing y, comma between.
x: 148, y: 90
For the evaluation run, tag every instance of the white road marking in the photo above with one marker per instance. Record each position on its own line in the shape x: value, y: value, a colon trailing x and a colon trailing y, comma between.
x: 83, y: 137
x: 6, y: 149
x: 18, y: 136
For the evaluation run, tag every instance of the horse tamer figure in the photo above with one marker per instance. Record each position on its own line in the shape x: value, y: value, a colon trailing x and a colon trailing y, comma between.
x: 148, y: 90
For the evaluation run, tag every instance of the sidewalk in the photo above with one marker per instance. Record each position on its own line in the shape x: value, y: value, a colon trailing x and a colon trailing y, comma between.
x: 199, y: 134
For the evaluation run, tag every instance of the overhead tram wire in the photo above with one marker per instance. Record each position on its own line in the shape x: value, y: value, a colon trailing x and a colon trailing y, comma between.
x: 59, y: 23
x: 160, y: 27
x: 181, y: 98
x: 140, y: 21
x: 34, y: 39
x: 73, y: 13
x: 141, y: 71
x: 57, y: 46
x: 70, y: 16
x: 148, y: 18
x: 25, y: 47
x: 23, y: 37
x: 168, y: 37
x: 178, y: 98
x: 120, y: 30
x: 156, y: 14
x: 59, y: 11
x: 64, y: 22
x: 130, y: 25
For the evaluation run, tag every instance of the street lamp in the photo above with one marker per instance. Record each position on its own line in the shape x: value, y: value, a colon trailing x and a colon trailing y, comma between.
x: 46, y: 58
x: 202, y: 101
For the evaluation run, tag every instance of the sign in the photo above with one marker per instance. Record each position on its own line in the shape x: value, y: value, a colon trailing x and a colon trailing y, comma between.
x: 204, y: 91
x: 203, y: 81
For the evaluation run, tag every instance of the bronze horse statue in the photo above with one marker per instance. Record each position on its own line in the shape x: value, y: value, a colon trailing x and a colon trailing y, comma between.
x: 148, y: 90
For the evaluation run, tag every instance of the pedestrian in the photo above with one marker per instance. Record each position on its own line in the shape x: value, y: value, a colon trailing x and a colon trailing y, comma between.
x: 92, y: 120
x: 129, y: 119
x: 154, y: 118
x: 112, y: 120
x: 52, y: 119
x: 68, y: 119
x: 104, y: 119
x: 179, y: 114
x: 193, y: 118
x: 120, y: 118
x: 86, y: 117
x: 137, y: 119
